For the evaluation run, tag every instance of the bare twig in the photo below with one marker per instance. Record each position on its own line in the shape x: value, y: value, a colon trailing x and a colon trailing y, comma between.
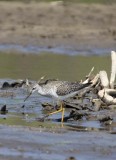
x: 41, y: 79
x: 90, y: 72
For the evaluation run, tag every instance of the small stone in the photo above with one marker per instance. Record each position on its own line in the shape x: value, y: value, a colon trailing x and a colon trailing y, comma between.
x: 71, y: 158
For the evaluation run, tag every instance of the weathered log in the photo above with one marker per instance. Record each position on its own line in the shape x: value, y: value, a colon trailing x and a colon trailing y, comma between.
x: 104, y: 79
x: 113, y: 69
x: 108, y: 96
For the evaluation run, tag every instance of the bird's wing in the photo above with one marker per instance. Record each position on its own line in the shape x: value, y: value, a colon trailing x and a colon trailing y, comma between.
x: 66, y: 88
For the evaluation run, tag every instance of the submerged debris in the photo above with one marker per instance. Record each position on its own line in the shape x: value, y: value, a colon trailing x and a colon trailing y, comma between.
x: 76, y: 115
x: 16, y: 84
x: 3, y: 110
x: 7, y: 85
x: 71, y: 158
x: 97, y: 103
x: 47, y: 106
x: 106, y: 120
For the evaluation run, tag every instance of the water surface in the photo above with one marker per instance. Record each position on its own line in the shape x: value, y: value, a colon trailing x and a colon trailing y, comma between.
x: 50, y: 65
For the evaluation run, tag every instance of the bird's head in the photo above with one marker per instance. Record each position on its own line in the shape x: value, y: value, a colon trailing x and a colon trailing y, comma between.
x: 32, y: 90
x: 35, y: 87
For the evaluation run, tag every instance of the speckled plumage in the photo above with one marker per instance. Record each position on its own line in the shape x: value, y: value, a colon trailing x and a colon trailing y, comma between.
x: 67, y: 88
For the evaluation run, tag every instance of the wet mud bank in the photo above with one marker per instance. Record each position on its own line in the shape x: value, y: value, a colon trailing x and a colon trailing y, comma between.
x: 53, y: 26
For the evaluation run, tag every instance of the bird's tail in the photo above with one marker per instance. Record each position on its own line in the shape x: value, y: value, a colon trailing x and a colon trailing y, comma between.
x: 82, y: 86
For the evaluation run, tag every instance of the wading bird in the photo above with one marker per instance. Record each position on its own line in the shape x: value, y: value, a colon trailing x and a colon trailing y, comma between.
x: 58, y: 90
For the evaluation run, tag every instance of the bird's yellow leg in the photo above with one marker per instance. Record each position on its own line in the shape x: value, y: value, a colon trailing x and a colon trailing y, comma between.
x: 62, y: 109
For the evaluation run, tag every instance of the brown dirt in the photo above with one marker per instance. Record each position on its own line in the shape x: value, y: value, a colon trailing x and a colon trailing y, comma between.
x: 48, y: 24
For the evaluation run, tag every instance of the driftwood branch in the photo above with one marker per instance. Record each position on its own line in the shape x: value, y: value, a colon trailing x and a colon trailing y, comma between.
x: 113, y: 69
x: 94, y: 82
x: 88, y: 76
x: 104, y: 79
x: 108, y: 95
x: 90, y: 72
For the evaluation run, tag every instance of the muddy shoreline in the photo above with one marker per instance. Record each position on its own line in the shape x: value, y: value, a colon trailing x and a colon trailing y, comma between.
x: 54, y: 145
x: 80, y: 26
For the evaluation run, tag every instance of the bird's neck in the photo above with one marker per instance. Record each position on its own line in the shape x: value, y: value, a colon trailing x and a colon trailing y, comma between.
x: 41, y: 90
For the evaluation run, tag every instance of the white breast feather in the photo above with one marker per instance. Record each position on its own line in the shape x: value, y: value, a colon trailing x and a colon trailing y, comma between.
x: 53, y: 92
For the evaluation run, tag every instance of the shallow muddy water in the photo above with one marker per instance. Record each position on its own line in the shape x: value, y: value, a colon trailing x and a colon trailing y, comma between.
x: 22, y: 136
x: 21, y: 66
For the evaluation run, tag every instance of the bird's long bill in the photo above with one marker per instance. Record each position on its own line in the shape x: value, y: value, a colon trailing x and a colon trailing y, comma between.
x: 27, y: 96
